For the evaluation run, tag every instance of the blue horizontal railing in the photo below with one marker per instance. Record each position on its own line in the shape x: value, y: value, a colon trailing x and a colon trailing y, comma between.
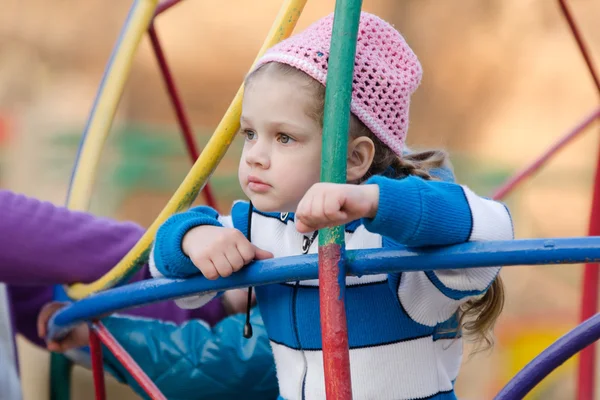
x: 358, y: 263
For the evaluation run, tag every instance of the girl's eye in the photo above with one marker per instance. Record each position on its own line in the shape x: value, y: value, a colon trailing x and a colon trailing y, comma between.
x: 283, y: 138
x: 249, y: 134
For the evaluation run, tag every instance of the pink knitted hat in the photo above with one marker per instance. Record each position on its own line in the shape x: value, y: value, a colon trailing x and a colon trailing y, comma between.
x: 386, y: 72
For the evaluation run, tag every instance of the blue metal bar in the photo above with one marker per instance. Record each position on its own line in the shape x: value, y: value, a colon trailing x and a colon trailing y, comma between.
x: 547, y: 361
x: 359, y: 262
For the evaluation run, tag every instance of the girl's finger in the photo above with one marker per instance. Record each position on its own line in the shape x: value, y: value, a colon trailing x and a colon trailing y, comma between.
x: 332, y: 208
x: 222, y: 265
x: 45, y: 314
x: 303, y: 226
x: 53, y: 346
x: 315, y: 215
x: 235, y: 259
x: 208, y: 269
x: 246, y: 250
x: 261, y: 254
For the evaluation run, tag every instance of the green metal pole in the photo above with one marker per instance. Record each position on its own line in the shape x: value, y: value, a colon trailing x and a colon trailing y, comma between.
x: 332, y: 274
x: 60, y: 377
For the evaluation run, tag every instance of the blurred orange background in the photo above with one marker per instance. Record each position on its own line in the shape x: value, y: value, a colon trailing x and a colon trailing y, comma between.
x: 503, y: 79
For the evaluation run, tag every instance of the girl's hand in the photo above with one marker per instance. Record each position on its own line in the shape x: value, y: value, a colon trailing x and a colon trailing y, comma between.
x: 218, y: 251
x: 77, y: 337
x: 330, y: 204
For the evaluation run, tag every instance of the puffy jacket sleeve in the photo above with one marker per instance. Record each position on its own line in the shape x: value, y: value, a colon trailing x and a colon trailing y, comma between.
x: 194, y: 361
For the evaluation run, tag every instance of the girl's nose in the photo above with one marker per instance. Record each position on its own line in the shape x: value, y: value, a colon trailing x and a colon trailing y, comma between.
x: 258, y: 155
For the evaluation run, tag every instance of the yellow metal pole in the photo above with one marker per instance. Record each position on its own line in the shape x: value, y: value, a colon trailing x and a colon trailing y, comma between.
x: 94, y: 136
x: 106, y: 103
x: 195, y: 180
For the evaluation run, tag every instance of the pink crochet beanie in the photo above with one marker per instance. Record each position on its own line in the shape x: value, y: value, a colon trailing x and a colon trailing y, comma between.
x: 386, y: 72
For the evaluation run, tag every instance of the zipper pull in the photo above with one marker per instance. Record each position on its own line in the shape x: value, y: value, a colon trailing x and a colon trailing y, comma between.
x: 306, y: 243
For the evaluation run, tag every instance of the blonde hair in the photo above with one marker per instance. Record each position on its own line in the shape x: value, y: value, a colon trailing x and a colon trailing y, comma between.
x: 476, y: 317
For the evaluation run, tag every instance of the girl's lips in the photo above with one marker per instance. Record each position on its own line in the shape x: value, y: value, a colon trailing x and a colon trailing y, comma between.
x: 253, y: 179
x: 256, y: 185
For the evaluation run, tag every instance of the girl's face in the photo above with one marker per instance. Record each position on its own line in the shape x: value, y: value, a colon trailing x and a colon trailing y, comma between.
x: 281, y: 158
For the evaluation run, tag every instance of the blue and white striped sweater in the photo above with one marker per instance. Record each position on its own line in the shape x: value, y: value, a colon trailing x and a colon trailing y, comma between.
x: 400, y: 326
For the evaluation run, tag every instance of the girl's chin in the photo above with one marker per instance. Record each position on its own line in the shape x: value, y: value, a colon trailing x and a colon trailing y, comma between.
x: 268, y: 206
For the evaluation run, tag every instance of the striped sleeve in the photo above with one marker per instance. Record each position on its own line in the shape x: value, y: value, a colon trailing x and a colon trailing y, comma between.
x: 433, y: 297
x: 491, y: 221
x: 414, y: 212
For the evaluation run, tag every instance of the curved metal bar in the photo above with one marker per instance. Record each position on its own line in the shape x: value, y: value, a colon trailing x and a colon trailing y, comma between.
x: 106, y: 102
x: 551, y: 358
x: 97, y: 365
x: 532, y: 168
x: 164, y: 5
x: 182, y: 118
x: 108, y: 340
x: 203, y: 168
x: 585, y: 52
x: 359, y: 262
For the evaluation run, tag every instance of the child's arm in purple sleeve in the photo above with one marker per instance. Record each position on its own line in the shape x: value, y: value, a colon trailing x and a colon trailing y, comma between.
x: 41, y: 243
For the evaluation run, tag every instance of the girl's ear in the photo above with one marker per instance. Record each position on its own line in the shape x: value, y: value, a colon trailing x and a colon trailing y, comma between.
x: 361, y: 151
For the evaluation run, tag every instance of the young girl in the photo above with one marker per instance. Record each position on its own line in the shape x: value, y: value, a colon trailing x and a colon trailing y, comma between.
x: 404, y: 329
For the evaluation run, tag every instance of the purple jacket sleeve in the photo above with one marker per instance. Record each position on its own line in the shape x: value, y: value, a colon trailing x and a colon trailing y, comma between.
x: 42, y: 245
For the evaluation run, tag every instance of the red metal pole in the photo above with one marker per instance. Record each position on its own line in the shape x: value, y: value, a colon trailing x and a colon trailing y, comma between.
x: 589, y: 298
x: 589, y: 302
x: 178, y: 106
x: 332, y: 269
x: 97, y: 365
x: 578, y: 37
x: 136, y: 372
x: 164, y: 6
x: 510, y: 185
x: 336, y: 357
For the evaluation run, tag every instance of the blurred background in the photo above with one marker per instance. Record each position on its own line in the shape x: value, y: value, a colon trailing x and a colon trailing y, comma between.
x: 503, y: 79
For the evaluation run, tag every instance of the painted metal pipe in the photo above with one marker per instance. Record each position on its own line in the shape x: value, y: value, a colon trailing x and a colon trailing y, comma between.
x: 60, y: 377
x: 92, y: 141
x: 358, y: 263
x: 213, y: 152
x: 105, y: 104
x: 586, y: 372
x: 332, y: 274
x: 589, y: 298
x: 525, y: 173
x: 585, y: 52
x: 551, y: 358
x: 164, y: 6
x: 97, y: 364
x: 129, y: 363
x: 182, y: 118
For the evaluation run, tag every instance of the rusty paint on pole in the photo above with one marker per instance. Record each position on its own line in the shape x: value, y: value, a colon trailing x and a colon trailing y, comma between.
x: 334, y: 331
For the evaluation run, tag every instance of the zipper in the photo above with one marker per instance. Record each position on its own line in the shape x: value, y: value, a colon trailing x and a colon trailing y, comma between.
x: 306, y: 244
x: 295, y: 322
